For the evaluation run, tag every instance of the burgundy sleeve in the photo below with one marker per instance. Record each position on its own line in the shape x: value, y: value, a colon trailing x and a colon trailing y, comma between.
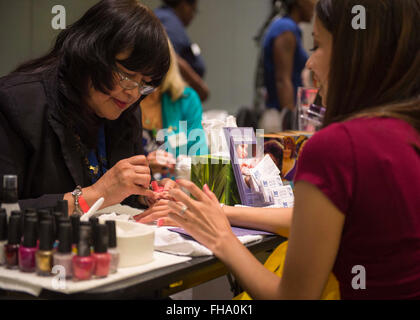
x: 327, y: 162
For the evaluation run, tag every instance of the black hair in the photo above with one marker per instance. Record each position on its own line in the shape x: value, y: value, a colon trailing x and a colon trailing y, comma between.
x: 85, y: 52
x: 175, y: 3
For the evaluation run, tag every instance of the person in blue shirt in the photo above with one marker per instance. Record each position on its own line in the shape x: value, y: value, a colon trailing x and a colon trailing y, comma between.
x: 171, y: 118
x: 175, y: 16
x: 284, y: 56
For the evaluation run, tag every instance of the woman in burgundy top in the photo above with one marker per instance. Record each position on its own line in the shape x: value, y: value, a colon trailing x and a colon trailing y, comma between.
x: 357, y: 187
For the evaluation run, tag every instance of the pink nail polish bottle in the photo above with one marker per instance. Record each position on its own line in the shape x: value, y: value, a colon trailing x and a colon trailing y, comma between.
x: 83, y: 263
x: 28, y: 248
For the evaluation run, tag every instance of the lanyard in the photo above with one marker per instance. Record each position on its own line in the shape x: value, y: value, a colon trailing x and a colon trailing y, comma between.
x: 97, y: 158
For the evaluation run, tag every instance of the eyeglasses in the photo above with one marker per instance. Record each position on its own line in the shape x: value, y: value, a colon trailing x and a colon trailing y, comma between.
x: 129, y: 84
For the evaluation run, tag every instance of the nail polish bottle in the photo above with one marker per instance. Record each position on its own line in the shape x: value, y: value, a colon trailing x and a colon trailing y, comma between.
x: 101, y: 255
x: 112, y: 246
x: 63, y: 256
x: 11, y: 249
x: 10, y: 194
x: 3, y: 235
x: 83, y: 263
x: 44, y: 256
x: 28, y: 248
x: 75, y: 226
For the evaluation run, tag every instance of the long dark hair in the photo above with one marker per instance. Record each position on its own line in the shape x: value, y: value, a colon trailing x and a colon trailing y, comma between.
x: 376, y: 70
x: 85, y: 52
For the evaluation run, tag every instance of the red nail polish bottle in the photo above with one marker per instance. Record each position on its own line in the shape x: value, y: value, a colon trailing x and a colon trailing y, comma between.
x: 11, y: 249
x: 101, y: 255
x: 83, y: 262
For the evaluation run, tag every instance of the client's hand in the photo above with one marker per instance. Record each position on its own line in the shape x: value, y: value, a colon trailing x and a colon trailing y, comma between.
x: 202, y: 218
x: 157, y: 212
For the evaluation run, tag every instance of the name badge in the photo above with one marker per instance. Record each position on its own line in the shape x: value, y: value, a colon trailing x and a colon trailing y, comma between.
x: 177, y: 140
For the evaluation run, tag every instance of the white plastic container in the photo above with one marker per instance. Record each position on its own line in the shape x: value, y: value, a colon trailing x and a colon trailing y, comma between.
x: 135, y: 243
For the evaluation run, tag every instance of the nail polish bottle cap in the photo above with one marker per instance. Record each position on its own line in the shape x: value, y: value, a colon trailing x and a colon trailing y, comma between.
x: 3, y: 225
x: 46, y: 235
x: 13, y: 230
x: 43, y: 214
x: 17, y: 213
x: 93, y: 221
x: 75, y: 225
x: 30, y: 210
x: 83, y: 246
x: 64, y: 238
x: 101, y: 239
x: 10, y: 194
x: 63, y: 207
x: 29, y: 233
x: 112, y: 233
x: 64, y: 220
x: 85, y: 232
x: 56, y: 218
x: 10, y: 181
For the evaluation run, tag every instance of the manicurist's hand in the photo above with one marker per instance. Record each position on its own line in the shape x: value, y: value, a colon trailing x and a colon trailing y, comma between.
x: 202, y: 218
x: 161, y: 161
x: 127, y: 177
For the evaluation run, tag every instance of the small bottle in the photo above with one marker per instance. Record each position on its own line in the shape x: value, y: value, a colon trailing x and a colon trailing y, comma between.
x: 44, y: 256
x: 28, y: 248
x: 101, y: 255
x: 112, y: 246
x: 83, y: 263
x: 63, y: 256
x: 11, y: 249
x: 3, y: 235
x: 10, y: 194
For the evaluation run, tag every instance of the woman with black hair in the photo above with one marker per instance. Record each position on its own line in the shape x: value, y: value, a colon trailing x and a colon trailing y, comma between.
x: 70, y: 121
x: 175, y: 16
x: 357, y: 204
x: 284, y: 60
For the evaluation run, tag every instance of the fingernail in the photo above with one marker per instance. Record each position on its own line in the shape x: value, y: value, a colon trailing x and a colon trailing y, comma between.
x: 206, y: 187
x: 160, y: 222
x: 177, y: 180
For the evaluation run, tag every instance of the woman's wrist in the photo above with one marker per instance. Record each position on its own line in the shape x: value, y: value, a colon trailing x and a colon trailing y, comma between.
x: 89, y: 194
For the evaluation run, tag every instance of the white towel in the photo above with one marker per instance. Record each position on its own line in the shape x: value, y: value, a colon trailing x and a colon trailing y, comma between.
x: 173, y: 243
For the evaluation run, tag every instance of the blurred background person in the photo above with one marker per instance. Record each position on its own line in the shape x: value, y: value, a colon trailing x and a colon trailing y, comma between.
x: 284, y: 60
x: 175, y: 16
x: 176, y: 108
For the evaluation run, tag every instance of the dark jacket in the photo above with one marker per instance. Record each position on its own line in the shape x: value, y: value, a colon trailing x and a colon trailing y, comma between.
x: 38, y: 146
